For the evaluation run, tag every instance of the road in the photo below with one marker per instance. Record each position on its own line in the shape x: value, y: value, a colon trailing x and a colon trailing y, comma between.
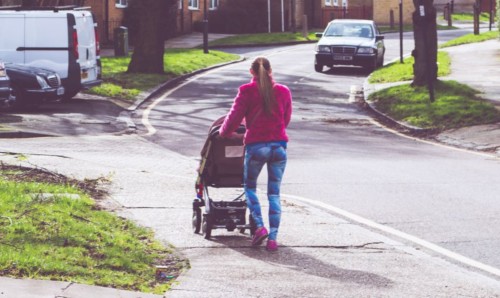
x: 340, y: 157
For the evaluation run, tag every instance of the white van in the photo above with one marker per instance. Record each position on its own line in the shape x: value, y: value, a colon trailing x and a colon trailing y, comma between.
x: 62, y: 40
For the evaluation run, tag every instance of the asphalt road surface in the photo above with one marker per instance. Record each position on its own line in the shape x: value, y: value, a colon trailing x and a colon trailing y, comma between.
x: 338, y: 156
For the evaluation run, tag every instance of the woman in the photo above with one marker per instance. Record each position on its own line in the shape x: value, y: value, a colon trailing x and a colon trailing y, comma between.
x: 266, y: 108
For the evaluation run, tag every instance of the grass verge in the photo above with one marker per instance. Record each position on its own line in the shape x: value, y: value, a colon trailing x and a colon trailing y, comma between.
x: 471, y: 38
x: 50, y: 228
x: 396, y: 71
x: 120, y: 84
x: 456, y: 105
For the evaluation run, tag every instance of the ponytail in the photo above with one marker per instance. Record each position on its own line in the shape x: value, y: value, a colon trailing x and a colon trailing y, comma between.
x: 262, y: 69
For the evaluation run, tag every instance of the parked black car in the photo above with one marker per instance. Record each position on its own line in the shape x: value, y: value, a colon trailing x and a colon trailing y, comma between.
x: 33, y: 85
x: 350, y: 42
x: 4, y: 85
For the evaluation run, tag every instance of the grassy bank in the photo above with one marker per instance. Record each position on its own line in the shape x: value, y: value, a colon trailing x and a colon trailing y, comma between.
x: 471, y: 38
x: 51, y: 228
x: 456, y: 105
x: 396, y: 71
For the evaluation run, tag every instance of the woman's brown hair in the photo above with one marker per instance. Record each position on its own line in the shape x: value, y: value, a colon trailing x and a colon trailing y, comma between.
x: 262, y: 70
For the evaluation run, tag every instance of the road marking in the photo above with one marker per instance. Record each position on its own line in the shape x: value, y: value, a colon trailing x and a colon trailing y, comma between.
x: 386, y: 229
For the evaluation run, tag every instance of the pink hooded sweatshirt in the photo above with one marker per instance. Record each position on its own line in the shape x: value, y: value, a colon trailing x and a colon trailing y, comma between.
x: 260, y: 126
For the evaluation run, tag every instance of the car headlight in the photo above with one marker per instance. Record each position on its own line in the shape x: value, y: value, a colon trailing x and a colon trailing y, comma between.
x: 42, y: 82
x: 323, y: 49
x: 366, y: 51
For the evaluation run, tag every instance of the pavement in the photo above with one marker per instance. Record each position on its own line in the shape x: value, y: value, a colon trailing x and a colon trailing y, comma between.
x: 347, y: 261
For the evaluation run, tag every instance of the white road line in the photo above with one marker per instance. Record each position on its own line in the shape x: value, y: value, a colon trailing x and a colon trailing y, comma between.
x: 431, y: 246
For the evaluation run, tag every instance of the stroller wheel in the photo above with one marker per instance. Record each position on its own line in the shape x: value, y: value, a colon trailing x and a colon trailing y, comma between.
x: 196, y: 220
x: 207, y: 226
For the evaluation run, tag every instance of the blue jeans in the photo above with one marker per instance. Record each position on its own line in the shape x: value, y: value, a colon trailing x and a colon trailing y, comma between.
x: 256, y: 155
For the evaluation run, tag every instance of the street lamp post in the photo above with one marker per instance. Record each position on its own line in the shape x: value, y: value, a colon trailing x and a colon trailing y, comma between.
x: 401, y: 31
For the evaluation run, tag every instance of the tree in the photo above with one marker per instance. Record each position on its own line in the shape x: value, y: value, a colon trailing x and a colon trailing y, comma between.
x: 152, y: 19
x: 425, y: 35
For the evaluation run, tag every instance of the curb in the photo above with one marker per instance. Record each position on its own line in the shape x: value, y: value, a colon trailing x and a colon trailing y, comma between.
x: 401, y: 126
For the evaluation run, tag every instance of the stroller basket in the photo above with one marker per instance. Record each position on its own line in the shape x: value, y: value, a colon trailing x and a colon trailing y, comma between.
x: 221, y: 166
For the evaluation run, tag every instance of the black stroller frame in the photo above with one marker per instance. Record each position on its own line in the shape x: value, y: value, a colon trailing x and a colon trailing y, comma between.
x: 221, y: 166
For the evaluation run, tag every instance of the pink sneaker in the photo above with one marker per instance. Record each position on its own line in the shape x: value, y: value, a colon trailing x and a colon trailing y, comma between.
x: 259, y: 236
x: 272, y: 245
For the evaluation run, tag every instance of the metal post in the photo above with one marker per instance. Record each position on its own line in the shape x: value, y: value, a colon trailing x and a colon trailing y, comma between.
x: 282, y: 16
x: 491, y: 14
x: 292, y: 9
x: 205, y: 28
x: 401, y: 31
x: 269, y: 15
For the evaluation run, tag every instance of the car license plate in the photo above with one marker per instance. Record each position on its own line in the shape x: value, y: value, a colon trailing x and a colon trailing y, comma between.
x: 84, y: 75
x: 342, y: 57
x: 60, y: 91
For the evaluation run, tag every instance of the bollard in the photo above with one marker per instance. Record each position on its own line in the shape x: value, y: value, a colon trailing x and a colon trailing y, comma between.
x: 391, y: 18
x: 305, y: 30
x: 121, y: 41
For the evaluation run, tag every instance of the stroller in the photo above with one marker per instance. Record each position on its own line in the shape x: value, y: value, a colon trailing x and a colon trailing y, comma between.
x: 221, y: 166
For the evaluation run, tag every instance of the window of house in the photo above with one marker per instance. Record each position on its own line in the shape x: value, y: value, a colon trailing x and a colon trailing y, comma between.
x: 328, y: 2
x: 344, y: 3
x: 179, y: 2
x: 121, y: 3
x: 335, y: 2
x: 213, y: 4
x: 194, y: 4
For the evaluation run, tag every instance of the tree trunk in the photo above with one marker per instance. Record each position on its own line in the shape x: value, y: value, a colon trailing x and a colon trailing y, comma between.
x: 425, y: 35
x: 149, y: 44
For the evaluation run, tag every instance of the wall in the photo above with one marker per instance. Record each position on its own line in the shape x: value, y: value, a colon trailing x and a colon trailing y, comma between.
x: 382, y: 8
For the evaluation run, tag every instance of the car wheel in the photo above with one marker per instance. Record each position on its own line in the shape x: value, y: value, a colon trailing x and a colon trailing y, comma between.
x: 381, y: 61
x: 19, y: 101
x: 318, y: 67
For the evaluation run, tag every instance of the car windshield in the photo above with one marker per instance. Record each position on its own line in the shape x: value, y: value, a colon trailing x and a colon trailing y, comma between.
x: 349, y: 30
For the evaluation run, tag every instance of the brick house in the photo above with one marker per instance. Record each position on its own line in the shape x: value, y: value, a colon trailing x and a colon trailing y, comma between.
x: 109, y: 16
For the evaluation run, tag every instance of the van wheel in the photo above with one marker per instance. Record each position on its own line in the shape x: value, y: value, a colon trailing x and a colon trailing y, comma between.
x: 69, y: 96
